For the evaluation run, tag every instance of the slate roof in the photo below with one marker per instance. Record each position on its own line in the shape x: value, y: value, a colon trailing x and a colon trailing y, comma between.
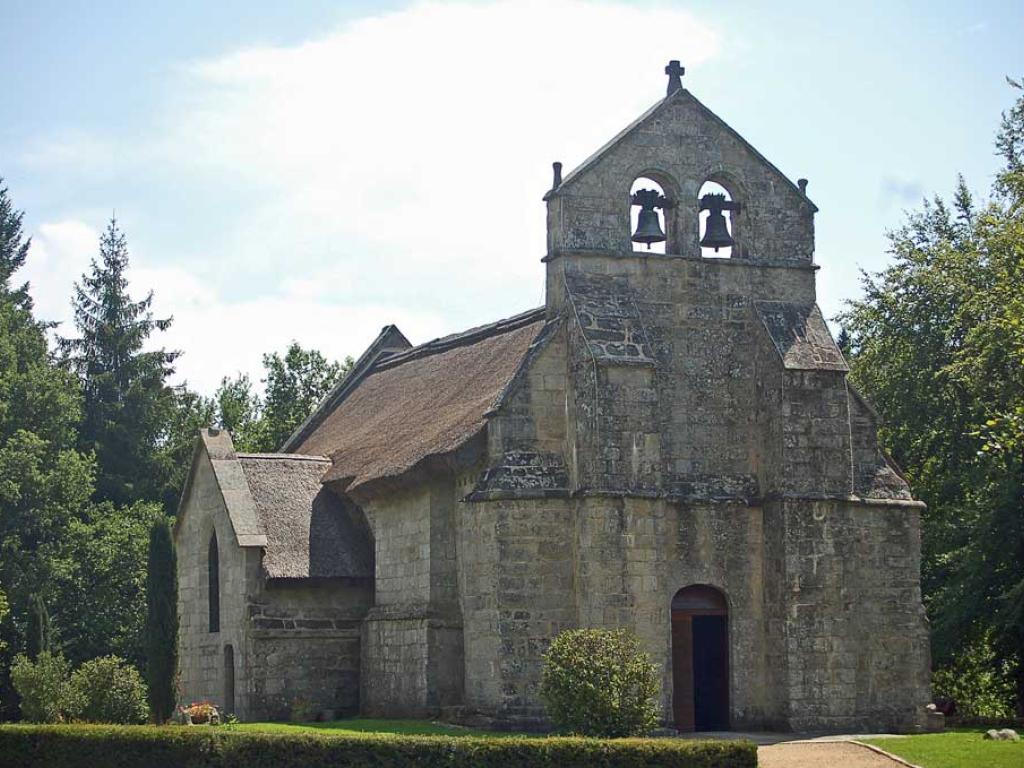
x: 310, y: 533
x: 427, y: 401
x: 800, y: 336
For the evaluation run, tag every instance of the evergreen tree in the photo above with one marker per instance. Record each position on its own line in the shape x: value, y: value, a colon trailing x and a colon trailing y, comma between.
x: 127, y: 400
x: 4, y: 610
x: 161, y: 622
x: 37, y: 638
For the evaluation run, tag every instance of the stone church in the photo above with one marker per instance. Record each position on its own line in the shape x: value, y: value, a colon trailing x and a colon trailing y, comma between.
x: 669, y: 444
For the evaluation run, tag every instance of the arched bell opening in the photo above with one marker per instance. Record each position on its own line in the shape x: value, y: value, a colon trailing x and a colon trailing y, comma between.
x: 700, y: 659
x: 717, y: 220
x: 648, y: 224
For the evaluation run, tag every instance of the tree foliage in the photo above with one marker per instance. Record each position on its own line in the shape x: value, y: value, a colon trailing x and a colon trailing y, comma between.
x: 161, y: 622
x: 44, y: 481
x: 296, y: 383
x: 100, y: 583
x: 937, y: 343
x: 127, y: 401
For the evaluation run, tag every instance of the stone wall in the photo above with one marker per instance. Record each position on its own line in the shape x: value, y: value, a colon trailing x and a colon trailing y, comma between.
x: 633, y: 555
x: 856, y: 638
x: 516, y: 577
x: 412, y: 638
x: 684, y: 418
x: 304, y: 640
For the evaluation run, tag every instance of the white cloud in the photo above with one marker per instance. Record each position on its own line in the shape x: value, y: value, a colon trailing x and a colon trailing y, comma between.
x: 392, y: 169
x: 60, y: 253
x: 220, y: 335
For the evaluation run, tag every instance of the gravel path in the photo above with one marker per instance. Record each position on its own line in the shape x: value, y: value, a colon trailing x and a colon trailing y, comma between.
x: 821, y: 754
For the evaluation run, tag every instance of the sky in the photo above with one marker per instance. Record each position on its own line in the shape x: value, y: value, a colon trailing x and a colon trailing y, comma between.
x: 313, y: 171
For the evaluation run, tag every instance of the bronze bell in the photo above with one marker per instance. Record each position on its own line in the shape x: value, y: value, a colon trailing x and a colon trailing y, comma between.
x: 716, y: 232
x: 648, y: 227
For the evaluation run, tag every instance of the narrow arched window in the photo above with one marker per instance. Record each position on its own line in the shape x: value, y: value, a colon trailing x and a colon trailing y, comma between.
x: 213, y: 577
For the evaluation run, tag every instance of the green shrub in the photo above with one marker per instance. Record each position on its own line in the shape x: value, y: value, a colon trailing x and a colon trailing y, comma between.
x: 108, y: 690
x: 44, y: 686
x: 92, y: 746
x: 600, y: 682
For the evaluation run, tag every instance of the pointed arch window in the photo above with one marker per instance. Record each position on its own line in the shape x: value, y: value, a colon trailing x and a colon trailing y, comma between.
x: 213, y: 579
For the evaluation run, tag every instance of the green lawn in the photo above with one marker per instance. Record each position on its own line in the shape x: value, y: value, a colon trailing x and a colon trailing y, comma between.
x: 954, y: 749
x: 367, y: 725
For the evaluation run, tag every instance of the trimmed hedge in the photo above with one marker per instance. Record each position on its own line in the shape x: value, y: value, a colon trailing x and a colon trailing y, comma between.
x: 103, y: 746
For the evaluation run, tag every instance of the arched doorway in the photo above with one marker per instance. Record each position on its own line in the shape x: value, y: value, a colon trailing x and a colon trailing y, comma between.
x: 700, y: 659
x: 229, y: 679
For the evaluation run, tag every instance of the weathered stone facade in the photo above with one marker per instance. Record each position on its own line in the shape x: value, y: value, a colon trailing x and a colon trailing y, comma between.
x: 664, y: 421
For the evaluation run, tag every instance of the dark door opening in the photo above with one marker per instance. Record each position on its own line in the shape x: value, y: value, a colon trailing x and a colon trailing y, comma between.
x: 229, y: 679
x: 700, y: 659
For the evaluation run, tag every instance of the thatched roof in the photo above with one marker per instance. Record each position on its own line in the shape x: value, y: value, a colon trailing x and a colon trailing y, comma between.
x: 276, y: 502
x: 310, y: 532
x: 427, y: 401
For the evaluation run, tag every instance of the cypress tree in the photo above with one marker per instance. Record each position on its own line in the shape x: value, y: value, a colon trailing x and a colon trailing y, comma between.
x: 161, y: 622
x: 38, y: 639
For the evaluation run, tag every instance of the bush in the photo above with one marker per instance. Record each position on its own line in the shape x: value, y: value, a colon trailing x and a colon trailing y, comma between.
x: 599, y: 682
x: 108, y: 690
x: 44, y: 687
x: 90, y: 746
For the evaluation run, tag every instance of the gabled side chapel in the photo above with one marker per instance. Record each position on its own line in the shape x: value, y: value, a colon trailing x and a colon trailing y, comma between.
x: 669, y: 444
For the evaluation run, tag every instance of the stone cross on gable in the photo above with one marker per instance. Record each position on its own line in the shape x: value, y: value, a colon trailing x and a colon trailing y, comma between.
x: 675, y: 74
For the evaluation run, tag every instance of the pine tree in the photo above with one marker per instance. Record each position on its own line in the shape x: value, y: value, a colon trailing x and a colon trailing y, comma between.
x: 13, y: 250
x: 127, y: 400
x: 38, y: 639
x: 161, y: 622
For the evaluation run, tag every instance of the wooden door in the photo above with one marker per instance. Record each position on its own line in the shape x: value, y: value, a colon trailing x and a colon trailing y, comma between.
x: 700, y: 659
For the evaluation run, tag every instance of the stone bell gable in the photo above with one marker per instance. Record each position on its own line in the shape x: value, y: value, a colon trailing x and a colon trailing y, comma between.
x: 681, y: 144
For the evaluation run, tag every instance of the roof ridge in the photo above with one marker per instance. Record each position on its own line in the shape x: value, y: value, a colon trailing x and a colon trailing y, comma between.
x: 288, y: 456
x: 470, y: 336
